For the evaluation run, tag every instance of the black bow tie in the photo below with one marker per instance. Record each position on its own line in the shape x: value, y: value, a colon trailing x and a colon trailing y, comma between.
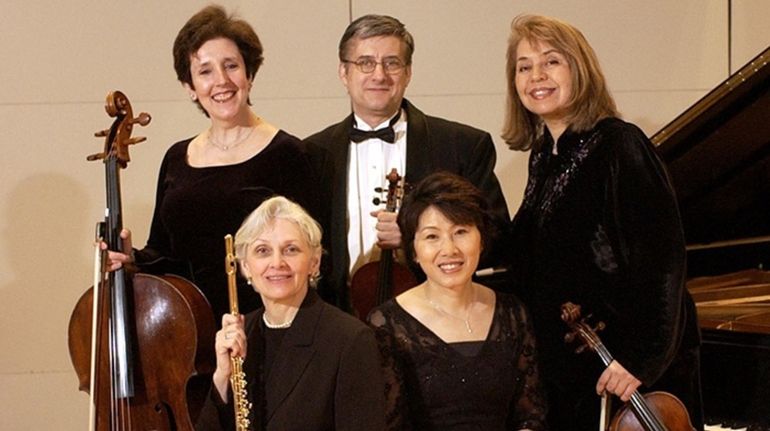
x: 387, y: 134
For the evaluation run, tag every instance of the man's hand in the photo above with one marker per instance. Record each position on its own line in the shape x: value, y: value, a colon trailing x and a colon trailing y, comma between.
x: 388, y: 233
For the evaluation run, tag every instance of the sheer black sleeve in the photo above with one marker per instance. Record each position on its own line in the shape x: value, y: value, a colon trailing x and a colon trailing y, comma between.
x: 396, y: 404
x: 528, y: 406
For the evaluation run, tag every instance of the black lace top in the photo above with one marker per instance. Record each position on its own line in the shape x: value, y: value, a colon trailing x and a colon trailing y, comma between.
x: 497, y: 389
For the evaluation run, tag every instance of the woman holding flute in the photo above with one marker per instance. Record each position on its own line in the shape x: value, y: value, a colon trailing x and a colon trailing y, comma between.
x: 308, y: 365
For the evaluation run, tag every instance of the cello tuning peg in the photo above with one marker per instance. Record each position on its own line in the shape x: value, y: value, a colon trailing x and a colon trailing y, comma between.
x: 376, y: 201
x: 143, y: 119
x: 101, y: 133
x: 379, y: 190
x: 569, y: 337
x: 580, y: 349
x: 599, y: 327
x: 97, y: 156
x: 136, y: 140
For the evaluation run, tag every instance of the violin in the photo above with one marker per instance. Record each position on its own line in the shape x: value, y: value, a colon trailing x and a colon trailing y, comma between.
x: 137, y: 341
x: 655, y: 411
x: 376, y: 282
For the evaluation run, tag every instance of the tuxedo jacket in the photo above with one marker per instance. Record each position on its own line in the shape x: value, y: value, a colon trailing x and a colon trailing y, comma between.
x: 326, y: 375
x: 432, y: 144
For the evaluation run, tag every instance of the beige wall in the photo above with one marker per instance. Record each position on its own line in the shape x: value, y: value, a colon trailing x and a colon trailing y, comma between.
x: 61, y: 58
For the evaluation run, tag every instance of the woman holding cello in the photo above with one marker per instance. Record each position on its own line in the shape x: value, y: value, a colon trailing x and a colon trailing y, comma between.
x: 207, y: 184
x: 210, y: 182
x: 599, y: 226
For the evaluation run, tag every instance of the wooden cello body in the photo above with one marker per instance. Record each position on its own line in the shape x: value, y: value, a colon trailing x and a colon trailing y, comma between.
x: 654, y: 411
x: 171, y: 347
x: 137, y: 341
x: 376, y: 282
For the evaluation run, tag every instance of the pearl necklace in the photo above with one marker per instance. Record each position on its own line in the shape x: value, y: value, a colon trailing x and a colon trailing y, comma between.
x: 283, y: 325
x: 465, y: 320
x: 224, y: 147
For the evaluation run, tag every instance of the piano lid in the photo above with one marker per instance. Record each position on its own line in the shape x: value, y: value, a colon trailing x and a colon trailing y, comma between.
x: 718, y: 156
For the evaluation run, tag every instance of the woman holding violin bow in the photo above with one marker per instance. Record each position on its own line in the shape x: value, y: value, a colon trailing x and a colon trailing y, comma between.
x: 598, y: 226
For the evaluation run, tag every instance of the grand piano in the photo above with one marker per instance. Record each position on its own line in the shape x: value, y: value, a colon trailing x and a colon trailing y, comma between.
x: 718, y: 156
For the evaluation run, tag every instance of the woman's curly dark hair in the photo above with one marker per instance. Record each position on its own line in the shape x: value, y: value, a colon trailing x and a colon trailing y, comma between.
x: 210, y: 23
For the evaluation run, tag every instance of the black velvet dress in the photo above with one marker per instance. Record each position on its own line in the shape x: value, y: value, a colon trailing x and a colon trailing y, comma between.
x: 196, y: 207
x: 599, y: 226
x: 443, y: 387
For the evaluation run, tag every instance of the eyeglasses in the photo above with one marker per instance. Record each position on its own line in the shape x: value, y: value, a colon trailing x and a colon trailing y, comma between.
x: 390, y: 65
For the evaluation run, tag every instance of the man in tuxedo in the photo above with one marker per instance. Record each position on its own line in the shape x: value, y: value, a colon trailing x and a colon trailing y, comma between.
x: 386, y: 131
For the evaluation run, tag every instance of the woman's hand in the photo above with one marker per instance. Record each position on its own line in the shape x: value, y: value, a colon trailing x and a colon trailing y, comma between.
x: 230, y: 342
x: 116, y: 259
x: 617, y: 380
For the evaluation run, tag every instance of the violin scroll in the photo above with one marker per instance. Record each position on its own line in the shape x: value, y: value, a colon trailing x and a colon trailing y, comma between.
x: 579, y: 328
x: 395, y: 191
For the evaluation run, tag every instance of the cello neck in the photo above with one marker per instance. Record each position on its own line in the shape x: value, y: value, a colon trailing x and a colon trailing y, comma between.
x: 118, y: 285
x: 115, y: 157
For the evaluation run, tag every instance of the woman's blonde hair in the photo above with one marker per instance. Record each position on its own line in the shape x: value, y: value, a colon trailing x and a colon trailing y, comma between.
x: 590, y: 100
x: 277, y: 207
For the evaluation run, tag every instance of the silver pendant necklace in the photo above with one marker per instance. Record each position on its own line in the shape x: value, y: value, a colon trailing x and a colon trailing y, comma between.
x: 465, y: 320
x: 224, y: 147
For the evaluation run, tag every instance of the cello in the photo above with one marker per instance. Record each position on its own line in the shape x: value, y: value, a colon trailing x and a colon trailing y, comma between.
x: 376, y: 282
x: 136, y: 341
x: 655, y: 411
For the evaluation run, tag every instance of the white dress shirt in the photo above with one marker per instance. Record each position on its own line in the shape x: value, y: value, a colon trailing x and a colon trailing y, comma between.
x: 370, y: 161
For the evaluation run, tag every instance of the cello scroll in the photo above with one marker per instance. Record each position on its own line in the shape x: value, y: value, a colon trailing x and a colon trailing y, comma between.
x: 118, y: 136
